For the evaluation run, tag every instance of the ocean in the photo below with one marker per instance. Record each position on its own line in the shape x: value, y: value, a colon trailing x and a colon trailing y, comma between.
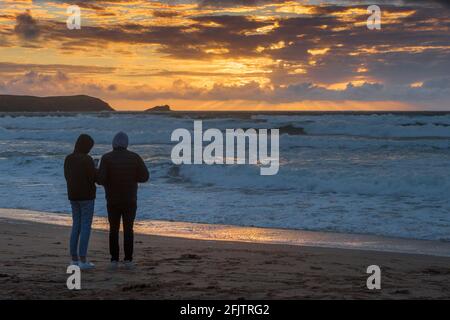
x: 383, y: 173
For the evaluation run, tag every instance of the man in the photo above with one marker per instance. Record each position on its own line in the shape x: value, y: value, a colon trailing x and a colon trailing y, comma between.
x: 120, y: 172
x: 80, y: 174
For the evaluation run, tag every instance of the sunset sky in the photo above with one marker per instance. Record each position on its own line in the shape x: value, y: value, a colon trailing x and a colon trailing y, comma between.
x: 231, y: 54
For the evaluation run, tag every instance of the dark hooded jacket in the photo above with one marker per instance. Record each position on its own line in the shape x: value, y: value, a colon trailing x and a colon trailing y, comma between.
x: 80, y: 172
x: 121, y: 171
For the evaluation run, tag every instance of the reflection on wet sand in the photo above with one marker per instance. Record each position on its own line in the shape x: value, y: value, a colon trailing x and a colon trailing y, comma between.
x: 214, y: 232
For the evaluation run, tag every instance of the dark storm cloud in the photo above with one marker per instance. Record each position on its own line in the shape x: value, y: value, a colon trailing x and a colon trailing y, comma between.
x: 237, y: 3
x: 176, y: 41
x: 26, y: 27
x: 165, y: 14
x: 9, y: 67
x: 249, y: 3
x: 444, y: 3
x: 441, y: 3
x: 404, y: 67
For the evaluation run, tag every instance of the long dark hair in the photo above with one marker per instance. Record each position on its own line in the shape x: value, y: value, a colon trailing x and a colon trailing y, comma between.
x: 84, y: 144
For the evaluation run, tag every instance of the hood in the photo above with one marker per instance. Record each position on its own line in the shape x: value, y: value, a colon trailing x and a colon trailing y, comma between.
x: 120, y: 141
x: 84, y: 144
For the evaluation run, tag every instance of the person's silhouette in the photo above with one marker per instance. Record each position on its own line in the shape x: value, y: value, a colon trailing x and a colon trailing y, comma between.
x: 80, y: 174
x: 120, y: 172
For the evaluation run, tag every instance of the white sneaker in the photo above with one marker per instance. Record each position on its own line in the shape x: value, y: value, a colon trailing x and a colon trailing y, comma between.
x: 86, y: 265
x: 114, y: 265
x: 129, y: 265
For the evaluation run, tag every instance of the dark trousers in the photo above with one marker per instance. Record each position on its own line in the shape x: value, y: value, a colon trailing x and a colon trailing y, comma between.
x: 126, y: 211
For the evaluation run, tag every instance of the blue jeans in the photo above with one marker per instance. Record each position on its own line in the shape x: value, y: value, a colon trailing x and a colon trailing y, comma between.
x: 82, y: 214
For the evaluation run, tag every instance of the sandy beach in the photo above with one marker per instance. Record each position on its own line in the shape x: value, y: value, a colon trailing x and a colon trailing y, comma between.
x: 33, y: 261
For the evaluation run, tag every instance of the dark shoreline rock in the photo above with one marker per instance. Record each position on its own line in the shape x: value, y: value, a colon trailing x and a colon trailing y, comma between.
x: 164, y: 108
x: 287, y: 129
x: 291, y: 130
x: 80, y: 103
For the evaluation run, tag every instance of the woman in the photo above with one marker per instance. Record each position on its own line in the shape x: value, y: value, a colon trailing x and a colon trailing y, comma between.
x: 80, y: 174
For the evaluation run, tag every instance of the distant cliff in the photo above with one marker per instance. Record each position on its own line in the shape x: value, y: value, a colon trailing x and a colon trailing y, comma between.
x: 164, y: 108
x: 81, y: 103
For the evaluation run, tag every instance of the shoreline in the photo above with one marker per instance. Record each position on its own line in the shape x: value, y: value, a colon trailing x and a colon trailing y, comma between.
x: 212, y: 113
x: 34, y: 257
x: 231, y: 233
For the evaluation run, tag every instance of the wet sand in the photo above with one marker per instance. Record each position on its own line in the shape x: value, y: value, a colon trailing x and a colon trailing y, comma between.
x: 34, y: 257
